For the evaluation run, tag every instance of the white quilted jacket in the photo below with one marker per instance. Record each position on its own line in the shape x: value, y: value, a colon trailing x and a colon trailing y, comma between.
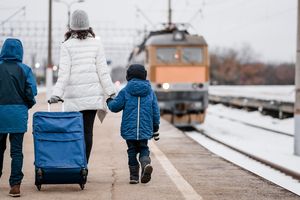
x: 83, y: 76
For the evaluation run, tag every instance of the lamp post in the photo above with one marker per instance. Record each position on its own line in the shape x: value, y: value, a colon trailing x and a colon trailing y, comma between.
x: 69, y: 8
x: 49, y: 75
x: 297, y: 92
x: 169, y: 13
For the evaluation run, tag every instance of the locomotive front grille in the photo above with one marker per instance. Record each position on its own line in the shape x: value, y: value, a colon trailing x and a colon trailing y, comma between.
x: 180, y: 96
x: 181, y: 107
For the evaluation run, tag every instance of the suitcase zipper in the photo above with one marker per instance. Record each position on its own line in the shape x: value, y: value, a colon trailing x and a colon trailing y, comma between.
x: 138, y: 119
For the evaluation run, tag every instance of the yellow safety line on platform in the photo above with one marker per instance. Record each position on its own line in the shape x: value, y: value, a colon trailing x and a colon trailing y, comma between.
x: 183, y: 186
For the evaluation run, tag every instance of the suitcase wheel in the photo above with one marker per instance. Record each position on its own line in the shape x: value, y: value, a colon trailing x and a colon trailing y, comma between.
x: 39, y: 177
x: 39, y: 173
x: 39, y: 187
x: 84, y: 173
x: 82, y: 186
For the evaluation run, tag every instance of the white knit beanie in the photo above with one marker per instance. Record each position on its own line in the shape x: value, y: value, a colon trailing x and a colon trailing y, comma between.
x: 79, y: 21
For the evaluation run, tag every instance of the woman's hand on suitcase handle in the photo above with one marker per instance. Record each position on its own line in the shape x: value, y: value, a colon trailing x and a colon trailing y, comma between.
x: 55, y: 99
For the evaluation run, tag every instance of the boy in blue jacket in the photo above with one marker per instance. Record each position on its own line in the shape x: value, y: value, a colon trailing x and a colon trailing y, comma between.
x: 17, y: 91
x: 140, y: 120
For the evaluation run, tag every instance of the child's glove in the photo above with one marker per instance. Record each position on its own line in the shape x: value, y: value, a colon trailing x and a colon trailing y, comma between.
x: 155, y: 128
x: 155, y: 136
x: 109, y: 99
x: 155, y: 132
x: 112, y: 95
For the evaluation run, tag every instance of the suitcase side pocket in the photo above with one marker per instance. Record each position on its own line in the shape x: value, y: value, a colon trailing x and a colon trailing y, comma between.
x: 58, y: 150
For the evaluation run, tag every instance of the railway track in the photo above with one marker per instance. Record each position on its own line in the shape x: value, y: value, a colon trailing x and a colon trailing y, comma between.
x: 276, y: 108
x: 288, y: 172
x: 252, y: 125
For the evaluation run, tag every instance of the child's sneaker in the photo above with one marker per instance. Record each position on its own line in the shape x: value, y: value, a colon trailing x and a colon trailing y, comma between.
x: 134, y: 174
x: 146, y: 174
x: 146, y: 169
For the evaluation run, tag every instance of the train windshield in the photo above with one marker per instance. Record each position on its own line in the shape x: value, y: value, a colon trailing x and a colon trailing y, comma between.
x: 167, y: 55
x: 192, y: 55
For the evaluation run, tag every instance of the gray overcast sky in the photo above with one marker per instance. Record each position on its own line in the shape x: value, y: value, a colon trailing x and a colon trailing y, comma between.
x: 268, y: 26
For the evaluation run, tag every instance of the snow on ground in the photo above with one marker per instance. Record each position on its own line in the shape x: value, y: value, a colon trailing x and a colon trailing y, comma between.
x: 265, y: 144
x: 279, y: 93
x: 247, y: 163
x: 285, y: 125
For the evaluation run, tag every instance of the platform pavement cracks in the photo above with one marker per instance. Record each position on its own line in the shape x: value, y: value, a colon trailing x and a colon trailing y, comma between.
x: 113, y: 174
x: 182, y: 185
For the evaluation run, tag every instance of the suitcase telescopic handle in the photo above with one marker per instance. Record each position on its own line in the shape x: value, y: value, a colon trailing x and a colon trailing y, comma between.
x: 62, y: 105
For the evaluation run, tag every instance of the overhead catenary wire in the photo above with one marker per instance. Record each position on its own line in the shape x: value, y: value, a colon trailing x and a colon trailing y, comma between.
x: 22, y: 9
x: 118, y: 42
x: 145, y: 16
x: 9, y: 8
x: 198, y: 12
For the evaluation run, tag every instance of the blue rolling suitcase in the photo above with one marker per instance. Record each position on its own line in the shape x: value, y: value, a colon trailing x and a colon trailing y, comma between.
x: 59, y: 148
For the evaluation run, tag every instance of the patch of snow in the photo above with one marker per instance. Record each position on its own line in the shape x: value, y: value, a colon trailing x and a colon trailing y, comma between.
x: 247, y: 163
x: 278, y: 93
x: 255, y: 118
x: 264, y: 144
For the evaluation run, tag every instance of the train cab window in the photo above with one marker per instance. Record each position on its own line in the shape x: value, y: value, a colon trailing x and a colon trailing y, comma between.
x: 167, y: 55
x: 192, y: 55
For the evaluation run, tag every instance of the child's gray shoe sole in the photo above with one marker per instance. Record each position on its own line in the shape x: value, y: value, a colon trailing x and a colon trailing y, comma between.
x: 146, y: 176
x: 133, y: 181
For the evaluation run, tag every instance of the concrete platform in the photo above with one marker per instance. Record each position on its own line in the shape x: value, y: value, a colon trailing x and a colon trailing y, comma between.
x: 182, y: 170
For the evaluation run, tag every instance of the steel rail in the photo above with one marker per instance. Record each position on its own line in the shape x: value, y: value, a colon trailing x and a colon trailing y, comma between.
x: 252, y: 125
x: 275, y: 166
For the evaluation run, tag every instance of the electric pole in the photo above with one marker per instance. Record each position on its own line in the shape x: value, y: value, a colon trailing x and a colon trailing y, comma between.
x: 69, y: 5
x: 169, y: 12
x: 69, y: 18
x: 297, y: 90
x: 49, y: 75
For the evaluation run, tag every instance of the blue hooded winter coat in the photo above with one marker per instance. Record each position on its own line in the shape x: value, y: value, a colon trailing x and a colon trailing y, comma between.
x: 140, y: 110
x: 17, y: 88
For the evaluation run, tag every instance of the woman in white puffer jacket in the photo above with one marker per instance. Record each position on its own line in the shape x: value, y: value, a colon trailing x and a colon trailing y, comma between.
x: 83, y: 77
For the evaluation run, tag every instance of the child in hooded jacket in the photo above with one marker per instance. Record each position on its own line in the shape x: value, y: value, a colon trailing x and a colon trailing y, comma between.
x: 17, y: 96
x: 140, y: 120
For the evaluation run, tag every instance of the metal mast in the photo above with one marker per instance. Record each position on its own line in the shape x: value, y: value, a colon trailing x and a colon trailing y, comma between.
x: 169, y: 12
x: 50, y: 35
x: 49, y: 72
x: 297, y: 90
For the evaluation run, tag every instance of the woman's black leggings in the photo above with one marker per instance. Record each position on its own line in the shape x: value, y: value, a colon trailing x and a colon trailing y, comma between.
x: 88, y: 124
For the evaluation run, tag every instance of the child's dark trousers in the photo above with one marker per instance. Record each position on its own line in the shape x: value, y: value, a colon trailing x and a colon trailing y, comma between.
x: 16, y: 154
x: 137, y: 147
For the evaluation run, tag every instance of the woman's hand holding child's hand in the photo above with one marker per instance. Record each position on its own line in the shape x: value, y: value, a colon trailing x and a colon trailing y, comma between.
x: 109, y: 99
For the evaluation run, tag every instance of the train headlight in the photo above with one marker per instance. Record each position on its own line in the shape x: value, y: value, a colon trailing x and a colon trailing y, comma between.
x: 197, y: 85
x: 200, y: 85
x: 161, y: 104
x: 198, y: 105
x: 166, y: 86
